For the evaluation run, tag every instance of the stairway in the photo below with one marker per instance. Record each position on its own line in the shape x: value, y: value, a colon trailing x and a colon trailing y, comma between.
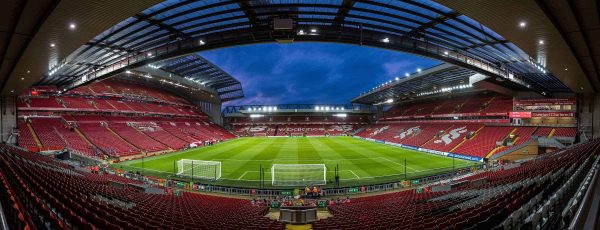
x: 465, y: 139
x: 551, y: 133
x: 123, y: 139
x: 83, y: 137
x: 34, y: 135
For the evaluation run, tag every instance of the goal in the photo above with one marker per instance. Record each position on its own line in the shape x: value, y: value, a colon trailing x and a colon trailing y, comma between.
x: 210, y: 170
x: 298, y: 174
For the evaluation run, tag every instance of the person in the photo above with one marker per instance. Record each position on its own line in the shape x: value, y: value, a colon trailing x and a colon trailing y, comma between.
x: 315, y: 192
x: 307, y: 191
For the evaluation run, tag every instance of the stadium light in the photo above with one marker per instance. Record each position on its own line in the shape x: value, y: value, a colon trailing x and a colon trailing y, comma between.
x: 385, y: 40
x: 72, y: 26
x: 446, y: 53
x: 317, y: 108
x: 127, y: 71
x: 397, y: 78
x: 340, y: 115
x: 301, y: 32
x: 389, y: 100
x: 419, y: 70
x: 541, y: 42
x: 406, y: 74
x: 52, y: 45
x: 256, y: 115
x: 522, y: 24
x: 201, y: 42
x: 313, y: 30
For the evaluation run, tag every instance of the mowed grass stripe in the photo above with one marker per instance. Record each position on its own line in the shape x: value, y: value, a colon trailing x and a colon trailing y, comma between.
x: 325, y: 152
x: 362, y: 169
x: 264, y: 151
x: 372, y: 162
x: 383, y: 155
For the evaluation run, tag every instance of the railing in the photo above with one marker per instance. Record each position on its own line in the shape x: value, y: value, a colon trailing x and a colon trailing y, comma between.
x: 3, y: 223
x: 511, y: 149
x: 588, y: 213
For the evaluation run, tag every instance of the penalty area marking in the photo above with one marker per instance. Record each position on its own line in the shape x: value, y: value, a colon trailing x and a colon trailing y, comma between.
x: 401, y: 164
x: 357, y: 177
x: 246, y: 172
x: 239, y: 178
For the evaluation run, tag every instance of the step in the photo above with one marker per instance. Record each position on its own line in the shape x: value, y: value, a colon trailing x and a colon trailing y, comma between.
x: 34, y: 135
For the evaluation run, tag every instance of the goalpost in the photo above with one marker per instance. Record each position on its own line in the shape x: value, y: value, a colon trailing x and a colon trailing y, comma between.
x: 298, y: 174
x: 210, y: 170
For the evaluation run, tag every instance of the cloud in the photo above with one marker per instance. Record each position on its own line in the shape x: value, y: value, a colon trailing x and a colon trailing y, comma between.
x: 310, y: 73
x: 398, y: 67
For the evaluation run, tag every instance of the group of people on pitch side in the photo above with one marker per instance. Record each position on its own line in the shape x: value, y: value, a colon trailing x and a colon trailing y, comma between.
x: 313, y: 192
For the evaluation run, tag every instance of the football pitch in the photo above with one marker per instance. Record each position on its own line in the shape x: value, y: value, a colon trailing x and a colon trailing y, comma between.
x: 360, y: 162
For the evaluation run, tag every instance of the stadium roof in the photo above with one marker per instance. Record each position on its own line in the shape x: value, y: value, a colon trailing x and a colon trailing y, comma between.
x: 176, y: 27
x: 195, y: 68
x: 419, y: 84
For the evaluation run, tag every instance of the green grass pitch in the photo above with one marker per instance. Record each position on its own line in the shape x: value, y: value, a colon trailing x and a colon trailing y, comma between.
x: 360, y: 162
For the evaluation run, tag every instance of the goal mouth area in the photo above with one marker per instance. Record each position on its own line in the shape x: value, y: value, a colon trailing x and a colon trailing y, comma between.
x: 283, y: 175
x: 209, y: 170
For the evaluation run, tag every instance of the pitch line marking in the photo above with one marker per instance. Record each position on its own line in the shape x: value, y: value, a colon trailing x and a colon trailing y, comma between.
x: 400, y: 164
x: 357, y: 177
x: 242, y: 176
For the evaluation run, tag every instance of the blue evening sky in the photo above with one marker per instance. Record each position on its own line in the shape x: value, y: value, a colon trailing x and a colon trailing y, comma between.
x: 311, y: 73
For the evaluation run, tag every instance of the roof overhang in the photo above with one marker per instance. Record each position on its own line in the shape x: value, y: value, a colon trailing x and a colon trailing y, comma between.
x: 555, y: 53
x: 45, y: 22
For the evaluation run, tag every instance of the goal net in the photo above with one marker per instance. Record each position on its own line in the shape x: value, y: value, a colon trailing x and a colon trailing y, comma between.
x: 210, y: 170
x: 298, y: 174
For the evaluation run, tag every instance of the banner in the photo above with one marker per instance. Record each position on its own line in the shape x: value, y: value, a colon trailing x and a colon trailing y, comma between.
x: 552, y: 114
x: 464, y: 157
x: 545, y: 101
x: 519, y: 114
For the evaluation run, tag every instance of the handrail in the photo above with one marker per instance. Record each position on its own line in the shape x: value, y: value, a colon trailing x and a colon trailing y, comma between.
x: 3, y: 222
x: 587, y: 215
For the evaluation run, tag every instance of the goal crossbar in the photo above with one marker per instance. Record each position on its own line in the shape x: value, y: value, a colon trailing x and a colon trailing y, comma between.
x: 298, y: 174
x: 199, y: 169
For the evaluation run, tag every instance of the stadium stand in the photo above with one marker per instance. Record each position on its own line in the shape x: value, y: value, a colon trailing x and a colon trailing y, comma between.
x: 176, y: 123
x: 505, y: 200
x: 26, y: 139
x: 47, y: 194
x: 483, y: 141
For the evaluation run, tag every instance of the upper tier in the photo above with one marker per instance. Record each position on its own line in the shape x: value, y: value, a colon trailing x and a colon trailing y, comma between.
x: 106, y: 96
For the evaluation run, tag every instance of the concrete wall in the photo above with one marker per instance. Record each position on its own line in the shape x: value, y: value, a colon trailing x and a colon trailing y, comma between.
x: 8, y: 119
x: 527, y: 152
x: 589, y: 114
x: 213, y: 110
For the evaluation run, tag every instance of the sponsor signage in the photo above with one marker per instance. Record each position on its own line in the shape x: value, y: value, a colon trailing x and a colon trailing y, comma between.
x: 519, y: 114
x: 410, y: 147
x: 450, y: 121
x: 553, y: 114
x: 460, y: 156
x: 433, y: 152
x: 545, y: 101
